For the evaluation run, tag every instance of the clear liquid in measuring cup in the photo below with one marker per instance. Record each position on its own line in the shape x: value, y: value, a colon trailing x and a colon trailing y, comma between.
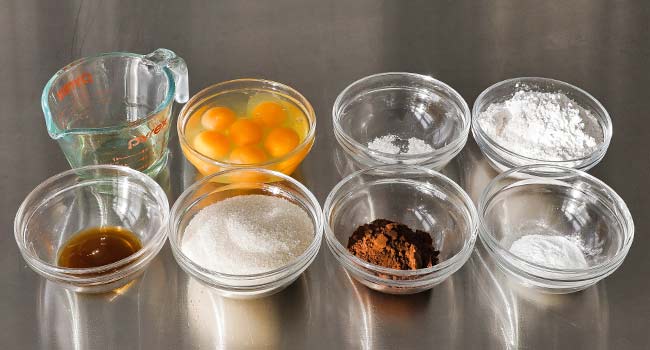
x: 141, y: 146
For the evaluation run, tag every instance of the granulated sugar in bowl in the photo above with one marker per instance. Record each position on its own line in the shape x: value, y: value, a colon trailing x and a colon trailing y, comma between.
x: 247, y: 239
x: 248, y: 234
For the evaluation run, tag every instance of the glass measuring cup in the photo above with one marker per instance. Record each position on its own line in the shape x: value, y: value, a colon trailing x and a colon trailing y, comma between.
x: 115, y: 108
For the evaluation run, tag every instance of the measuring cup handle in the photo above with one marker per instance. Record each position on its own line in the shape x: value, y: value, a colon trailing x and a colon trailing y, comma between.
x: 169, y: 59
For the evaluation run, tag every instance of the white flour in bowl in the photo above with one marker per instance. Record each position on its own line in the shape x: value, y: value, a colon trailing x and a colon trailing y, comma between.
x: 542, y: 125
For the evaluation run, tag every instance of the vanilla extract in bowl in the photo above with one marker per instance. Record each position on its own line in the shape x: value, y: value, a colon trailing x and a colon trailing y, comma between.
x: 98, y: 246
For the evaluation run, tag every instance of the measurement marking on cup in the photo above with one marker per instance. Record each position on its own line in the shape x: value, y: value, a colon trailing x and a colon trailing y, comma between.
x: 117, y: 158
x: 136, y: 140
x: 83, y: 79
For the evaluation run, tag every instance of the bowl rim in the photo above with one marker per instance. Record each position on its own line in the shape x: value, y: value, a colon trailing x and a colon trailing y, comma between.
x: 600, y: 113
x: 198, y: 98
x: 148, y: 250
x: 465, y: 116
x: 178, y: 212
x: 461, y: 256
x: 563, y: 171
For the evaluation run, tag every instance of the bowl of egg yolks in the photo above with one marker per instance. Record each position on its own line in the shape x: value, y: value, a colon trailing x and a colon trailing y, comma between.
x: 246, y: 123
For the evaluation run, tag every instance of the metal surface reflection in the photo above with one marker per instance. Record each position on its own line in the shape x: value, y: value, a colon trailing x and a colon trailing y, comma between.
x: 164, y: 179
x: 216, y: 322
x: 497, y: 299
x: 478, y: 172
x: 376, y: 320
x: 506, y: 300
x: 219, y: 323
x: 345, y: 165
x: 319, y: 49
x: 574, y: 320
x: 69, y: 320
x: 413, y: 318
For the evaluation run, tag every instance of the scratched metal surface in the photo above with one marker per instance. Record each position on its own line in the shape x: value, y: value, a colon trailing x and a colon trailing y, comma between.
x: 319, y: 47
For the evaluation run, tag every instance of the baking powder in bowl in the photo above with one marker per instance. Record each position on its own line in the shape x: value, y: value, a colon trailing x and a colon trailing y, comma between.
x: 542, y: 125
x: 556, y: 252
x: 394, y: 144
x: 247, y: 234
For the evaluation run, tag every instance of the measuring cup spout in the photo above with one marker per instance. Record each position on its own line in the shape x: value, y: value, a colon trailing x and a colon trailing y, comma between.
x: 52, y: 129
x: 169, y: 59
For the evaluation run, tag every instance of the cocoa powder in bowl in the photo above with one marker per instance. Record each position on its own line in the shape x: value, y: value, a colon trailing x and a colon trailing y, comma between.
x: 393, y: 245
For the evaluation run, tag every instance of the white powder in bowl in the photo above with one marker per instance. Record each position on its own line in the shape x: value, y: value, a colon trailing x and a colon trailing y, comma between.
x: 394, y: 144
x: 556, y: 252
x: 247, y: 234
x: 542, y: 125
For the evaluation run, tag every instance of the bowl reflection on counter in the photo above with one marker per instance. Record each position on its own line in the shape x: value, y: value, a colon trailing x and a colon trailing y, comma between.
x: 274, y: 322
x: 132, y: 316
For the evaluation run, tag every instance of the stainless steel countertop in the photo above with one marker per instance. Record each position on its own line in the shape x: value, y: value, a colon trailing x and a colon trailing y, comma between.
x: 319, y: 47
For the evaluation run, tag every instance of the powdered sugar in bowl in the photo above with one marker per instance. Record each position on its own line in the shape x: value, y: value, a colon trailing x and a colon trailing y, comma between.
x: 525, y: 121
x: 248, y: 233
x: 401, y: 118
x: 558, y: 232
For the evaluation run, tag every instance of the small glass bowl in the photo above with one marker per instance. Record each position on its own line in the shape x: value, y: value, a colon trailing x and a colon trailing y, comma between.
x: 237, y: 182
x: 502, y: 159
x: 236, y: 88
x: 91, y: 196
x: 418, y: 197
x: 406, y: 105
x: 563, y: 202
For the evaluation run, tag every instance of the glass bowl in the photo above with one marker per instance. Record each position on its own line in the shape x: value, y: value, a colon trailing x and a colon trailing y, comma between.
x: 418, y: 197
x: 502, y: 159
x: 236, y: 89
x: 236, y: 182
x: 406, y: 105
x: 91, y: 196
x: 562, y: 202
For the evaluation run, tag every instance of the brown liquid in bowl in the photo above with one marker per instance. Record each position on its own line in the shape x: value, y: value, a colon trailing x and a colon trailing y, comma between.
x: 98, y: 246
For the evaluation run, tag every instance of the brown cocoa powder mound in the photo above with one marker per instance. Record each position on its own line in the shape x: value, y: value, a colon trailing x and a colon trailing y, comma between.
x: 393, y: 245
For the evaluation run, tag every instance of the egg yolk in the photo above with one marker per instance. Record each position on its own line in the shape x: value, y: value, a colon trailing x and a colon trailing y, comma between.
x: 281, y: 141
x: 250, y: 154
x: 269, y: 113
x: 218, y: 118
x: 245, y: 132
x: 212, y: 144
